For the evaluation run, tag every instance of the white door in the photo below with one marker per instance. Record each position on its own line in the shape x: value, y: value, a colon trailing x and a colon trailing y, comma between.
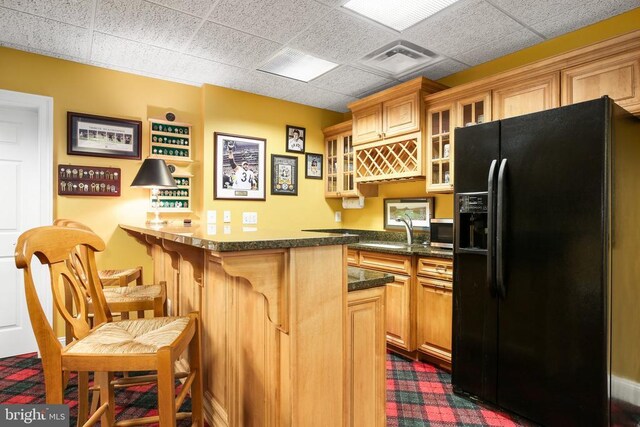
x: 26, y: 200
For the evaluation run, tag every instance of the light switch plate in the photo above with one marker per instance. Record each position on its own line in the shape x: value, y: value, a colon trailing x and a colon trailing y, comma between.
x: 226, y: 216
x: 249, y: 217
x: 211, y: 217
x: 338, y: 216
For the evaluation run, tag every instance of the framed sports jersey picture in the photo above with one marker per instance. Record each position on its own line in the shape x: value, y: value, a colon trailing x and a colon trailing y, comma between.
x: 239, y: 167
x: 284, y: 175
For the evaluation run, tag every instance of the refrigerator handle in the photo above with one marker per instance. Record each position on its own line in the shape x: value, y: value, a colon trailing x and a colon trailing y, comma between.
x: 500, y: 225
x: 491, y: 219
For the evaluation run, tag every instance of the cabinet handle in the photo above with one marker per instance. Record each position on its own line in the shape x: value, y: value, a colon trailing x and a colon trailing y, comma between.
x: 379, y: 135
x: 441, y: 269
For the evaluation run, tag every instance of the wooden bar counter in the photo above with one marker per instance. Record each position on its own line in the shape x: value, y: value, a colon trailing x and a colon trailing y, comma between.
x: 274, y: 312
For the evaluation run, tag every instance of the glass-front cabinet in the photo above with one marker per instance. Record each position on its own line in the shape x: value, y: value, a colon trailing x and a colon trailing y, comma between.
x: 442, y: 119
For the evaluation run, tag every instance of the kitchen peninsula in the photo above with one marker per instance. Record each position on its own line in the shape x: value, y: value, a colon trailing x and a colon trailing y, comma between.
x: 274, y: 314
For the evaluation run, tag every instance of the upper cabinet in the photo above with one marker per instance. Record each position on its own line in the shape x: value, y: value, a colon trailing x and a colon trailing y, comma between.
x: 523, y: 97
x: 388, y: 132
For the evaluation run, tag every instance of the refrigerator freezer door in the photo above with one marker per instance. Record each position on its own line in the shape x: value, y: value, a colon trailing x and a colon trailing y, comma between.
x: 474, y: 308
x: 551, y: 322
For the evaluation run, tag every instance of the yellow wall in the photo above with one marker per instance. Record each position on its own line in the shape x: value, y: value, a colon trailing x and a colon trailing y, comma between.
x: 371, y: 217
x: 242, y: 113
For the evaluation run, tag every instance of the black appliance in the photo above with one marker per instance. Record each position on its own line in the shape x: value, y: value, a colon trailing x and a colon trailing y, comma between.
x: 546, y: 294
x: 441, y: 233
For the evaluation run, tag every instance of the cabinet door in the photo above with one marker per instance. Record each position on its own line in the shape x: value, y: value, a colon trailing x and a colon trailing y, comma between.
x: 434, y: 317
x: 331, y: 168
x: 437, y: 268
x: 440, y: 149
x: 401, y: 116
x: 617, y: 76
x: 366, y: 358
x: 347, y: 185
x: 398, y: 316
x: 530, y: 96
x: 367, y: 124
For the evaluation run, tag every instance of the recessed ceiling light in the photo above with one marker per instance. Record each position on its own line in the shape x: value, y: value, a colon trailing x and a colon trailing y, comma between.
x: 297, y: 65
x: 398, y: 15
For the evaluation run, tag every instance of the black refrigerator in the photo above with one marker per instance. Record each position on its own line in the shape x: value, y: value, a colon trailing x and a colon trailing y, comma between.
x: 546, y: 294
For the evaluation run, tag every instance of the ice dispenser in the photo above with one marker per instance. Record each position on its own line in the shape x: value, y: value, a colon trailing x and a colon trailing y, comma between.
x: 472, y: 220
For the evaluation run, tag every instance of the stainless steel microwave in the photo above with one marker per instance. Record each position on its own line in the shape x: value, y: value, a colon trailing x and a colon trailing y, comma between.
x: 441, y: 230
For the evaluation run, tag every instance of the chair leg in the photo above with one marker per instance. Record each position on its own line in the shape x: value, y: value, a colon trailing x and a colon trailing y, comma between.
x: 53, y: 383
x: 122, y: 282
x: 166, y: 389
x: 197, y: 418
x: 83, y: 397
x: 139, y: 283
x: 103, y: 380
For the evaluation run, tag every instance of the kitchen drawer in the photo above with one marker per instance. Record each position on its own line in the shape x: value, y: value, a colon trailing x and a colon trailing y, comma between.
x: 352, y: 257
x: 386, y: 262
x: 438, y: 268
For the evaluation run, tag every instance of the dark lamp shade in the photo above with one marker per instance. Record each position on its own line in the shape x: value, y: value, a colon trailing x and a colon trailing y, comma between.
x: 154, y: 173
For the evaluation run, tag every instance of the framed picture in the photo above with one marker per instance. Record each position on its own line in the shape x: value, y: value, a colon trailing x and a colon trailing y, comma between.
x: 295, y: 139
x: 99, y: 136
x: 420, y: 210
x: 313, y: 166
x: 239, y: 167
x: 284, y: 175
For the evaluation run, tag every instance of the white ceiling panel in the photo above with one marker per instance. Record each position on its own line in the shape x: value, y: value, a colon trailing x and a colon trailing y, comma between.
x: 587, y: 13
x: 229, y: 46
x: 43, y: 35
x: 75, y: 12
x: 193, y: 7
x: 500, y: 47
x: 459, y: 29
x: 223, y: 42
x: 267, y: 18
x: 342, y: 38
x: 146, y: 22
x: 349, y: 81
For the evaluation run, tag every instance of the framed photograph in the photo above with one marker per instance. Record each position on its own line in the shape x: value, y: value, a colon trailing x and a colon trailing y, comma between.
x: 420, y: 210
x: 313, y: 166
x: 99, y: 136
x: 295, y: 139
x: 284, y: 175
x: 239, y: 167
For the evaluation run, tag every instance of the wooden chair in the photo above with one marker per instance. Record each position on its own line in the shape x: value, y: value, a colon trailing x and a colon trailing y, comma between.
x: 127, y: 345
x: 120, y: 296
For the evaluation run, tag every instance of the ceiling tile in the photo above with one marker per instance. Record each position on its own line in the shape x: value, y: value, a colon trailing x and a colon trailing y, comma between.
x: 44, y: 35
x: 192, y: 7
x: 145, y: 22
x: 333, y: 3
x: 321, y: 98
x: 261, y: 83
x: 230, y: 46
x: 75, y: 12
x: 587, y: 13
x: 497, y: 48
x: 349, y: 81
x: 462, y: 27
x: 531, y: 11
x: 108, y: 49
x: 342, y: 37
x: 439, y: 70
x: 277, y: 20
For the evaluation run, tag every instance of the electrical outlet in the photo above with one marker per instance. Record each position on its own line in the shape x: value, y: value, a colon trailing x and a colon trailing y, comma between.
x: 249, y: 217
x: 226, y: 216
x: 211, y: 217
x: 338, y: 216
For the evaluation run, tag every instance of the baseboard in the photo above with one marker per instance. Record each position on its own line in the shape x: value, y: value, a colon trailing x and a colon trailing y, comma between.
x: 625, y: 390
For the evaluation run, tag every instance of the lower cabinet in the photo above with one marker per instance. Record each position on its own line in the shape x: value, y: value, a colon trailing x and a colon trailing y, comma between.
x: 366, y: 353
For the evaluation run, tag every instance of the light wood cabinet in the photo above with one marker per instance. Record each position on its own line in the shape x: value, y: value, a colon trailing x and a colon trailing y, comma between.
x: 401, y: 115
x: 434, y: 309
x: 366, y: 357
x: 530, y: 96
x: 339, y: 164
x: 617, y: 76
x: 367, y: 124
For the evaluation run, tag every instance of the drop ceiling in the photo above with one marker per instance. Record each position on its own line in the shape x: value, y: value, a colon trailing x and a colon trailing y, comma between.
x: 224, y: 42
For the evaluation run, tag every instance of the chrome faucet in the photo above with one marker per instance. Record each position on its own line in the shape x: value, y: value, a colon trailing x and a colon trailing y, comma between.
x: 408, y: 225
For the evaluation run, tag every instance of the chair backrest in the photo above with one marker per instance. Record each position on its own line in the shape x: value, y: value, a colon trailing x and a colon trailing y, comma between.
x: 71, y: 223
x: 55, y: 246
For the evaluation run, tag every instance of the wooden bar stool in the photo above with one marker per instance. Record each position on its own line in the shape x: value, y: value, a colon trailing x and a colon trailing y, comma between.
x: 107, y: 347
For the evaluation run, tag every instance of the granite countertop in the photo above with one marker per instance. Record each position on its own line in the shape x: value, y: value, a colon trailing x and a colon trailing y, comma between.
x: 224, y: 238
x: 360, y: 278
x: 400, y: 248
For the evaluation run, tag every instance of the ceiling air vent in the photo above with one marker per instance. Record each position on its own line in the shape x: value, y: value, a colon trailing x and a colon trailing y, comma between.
x: 398, y: 58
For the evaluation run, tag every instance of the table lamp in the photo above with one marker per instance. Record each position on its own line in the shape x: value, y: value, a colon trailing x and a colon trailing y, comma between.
x: 154, y: 174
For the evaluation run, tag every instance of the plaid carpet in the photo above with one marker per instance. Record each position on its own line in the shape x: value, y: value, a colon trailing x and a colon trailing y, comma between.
x: 418, y: 394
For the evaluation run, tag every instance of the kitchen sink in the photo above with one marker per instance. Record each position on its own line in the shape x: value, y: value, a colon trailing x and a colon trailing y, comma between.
x: 385, y: 245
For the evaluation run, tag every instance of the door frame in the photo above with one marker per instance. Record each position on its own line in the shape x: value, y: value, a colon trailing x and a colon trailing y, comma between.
x: 43, y: 106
